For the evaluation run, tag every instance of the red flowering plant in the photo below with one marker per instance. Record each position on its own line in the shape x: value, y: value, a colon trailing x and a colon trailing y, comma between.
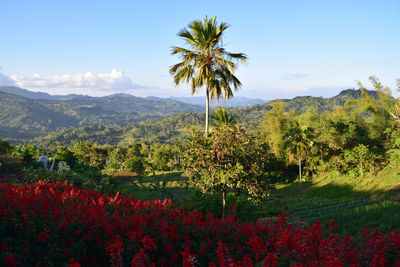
x: 59, y: 224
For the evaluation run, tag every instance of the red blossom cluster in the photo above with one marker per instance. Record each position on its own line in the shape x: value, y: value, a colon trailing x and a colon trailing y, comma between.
x: 57, y: 224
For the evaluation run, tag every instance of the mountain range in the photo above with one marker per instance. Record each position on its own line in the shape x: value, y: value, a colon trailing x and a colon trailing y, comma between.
x: 195, y: 100
x: 25, y: 115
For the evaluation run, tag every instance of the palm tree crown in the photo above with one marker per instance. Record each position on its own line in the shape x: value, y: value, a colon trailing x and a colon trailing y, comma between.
x: 221, y: 118
x: 206, y: 63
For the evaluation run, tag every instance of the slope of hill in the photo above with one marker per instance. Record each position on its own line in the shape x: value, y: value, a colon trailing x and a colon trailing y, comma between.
x: 130, y: 103
x: 38, y: 113
x: 23, y: 118
x: 67, y: 121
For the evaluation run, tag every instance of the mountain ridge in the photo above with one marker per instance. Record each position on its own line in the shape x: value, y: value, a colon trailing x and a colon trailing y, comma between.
x: 23, y: 118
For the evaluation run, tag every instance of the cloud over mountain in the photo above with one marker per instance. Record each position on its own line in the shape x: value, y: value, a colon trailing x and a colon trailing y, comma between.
x: 113, y: 81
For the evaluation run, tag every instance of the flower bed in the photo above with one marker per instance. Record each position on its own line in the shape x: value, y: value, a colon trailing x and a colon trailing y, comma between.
x: 57, y: 224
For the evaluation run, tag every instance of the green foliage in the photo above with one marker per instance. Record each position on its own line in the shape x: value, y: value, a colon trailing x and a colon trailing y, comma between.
x: 116, y: 159
x: 38, y: 117
x: 27, y: 152
x: 221, y: 118
x: 359, y: 159
x: 273, y: 127
x: 297, y: 142
x: 134, y: 164
x: 89, y: 154
x: 228, y: 160
x: 81, y: 177
x: 63, y: 153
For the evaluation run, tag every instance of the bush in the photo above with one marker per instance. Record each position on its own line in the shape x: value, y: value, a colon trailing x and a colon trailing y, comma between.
x: 87, y: 178
x: 27, y: 152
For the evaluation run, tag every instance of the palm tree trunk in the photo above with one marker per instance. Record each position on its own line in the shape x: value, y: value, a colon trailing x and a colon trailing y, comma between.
x: 207, y: 109
x: 300, y: 169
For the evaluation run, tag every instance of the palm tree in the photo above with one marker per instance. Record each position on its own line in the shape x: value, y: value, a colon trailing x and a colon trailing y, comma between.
x: 222, y: 118
x: 297, y: 142
x: 206, y: 63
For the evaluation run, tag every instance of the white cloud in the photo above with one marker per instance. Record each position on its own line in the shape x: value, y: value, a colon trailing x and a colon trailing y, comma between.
x: 6, y: 81
x: 115, y: 81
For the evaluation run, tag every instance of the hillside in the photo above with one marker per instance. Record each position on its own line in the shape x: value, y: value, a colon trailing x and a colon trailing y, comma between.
x: 34, y: 95
x: 23, y: 118
x: 136, y: 118
x: 37, y: 114
x: 130, y: 103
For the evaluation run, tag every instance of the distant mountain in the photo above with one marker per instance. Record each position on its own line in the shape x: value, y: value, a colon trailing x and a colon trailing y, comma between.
x: 130, y: 103
x: 173, y: 128
x: 35, y: 95
x: 152, y: 118
x: 302, y: 103
x: 237, y: 101
x: 36, y: 114
x: 116, y: 102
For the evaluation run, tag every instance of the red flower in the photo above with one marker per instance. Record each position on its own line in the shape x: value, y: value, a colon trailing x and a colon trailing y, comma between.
x: 4, y: 247
x: 73, y: 263
x: 43, y: 236
x: 9, y: 261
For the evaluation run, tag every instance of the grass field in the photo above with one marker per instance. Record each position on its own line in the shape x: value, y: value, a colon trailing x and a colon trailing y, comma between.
x: 163, y: 185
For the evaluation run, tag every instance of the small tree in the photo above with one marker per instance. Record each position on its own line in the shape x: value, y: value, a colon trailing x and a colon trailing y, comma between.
x: 297, y: 143
x: 229, y: 160
x: 360, y: 158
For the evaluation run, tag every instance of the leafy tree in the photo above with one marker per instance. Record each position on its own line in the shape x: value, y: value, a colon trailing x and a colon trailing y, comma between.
x: 65, y: 154
x: 274, y: 126
x: 359, y: 158
x: 90, y: 155
x: 297, y: 142
x: 27, y: 152
x: 222, y: 118
x: 134, y: 164
x: 229, y: 160
x: 116, y: 158
x: 206, y: 62
x: 160, y: 156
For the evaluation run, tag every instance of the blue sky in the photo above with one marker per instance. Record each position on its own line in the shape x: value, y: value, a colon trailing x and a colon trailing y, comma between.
x: 102, y: 47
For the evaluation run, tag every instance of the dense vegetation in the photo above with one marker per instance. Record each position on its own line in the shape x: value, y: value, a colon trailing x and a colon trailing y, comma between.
x: 23, y: 118
x: 347, y: 156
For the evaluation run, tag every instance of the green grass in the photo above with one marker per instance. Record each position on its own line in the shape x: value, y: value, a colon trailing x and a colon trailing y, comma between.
x: 384, y: 215
x: 163, y: 185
